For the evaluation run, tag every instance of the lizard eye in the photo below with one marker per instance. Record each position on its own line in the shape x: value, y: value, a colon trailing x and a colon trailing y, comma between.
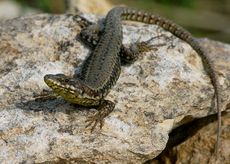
x: 66, y: 80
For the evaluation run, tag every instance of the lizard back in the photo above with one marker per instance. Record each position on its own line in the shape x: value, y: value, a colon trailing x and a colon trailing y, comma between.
x: 103, y: 65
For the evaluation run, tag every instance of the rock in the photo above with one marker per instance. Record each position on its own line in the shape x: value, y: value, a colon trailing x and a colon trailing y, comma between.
x: 198, y: 148
x: 153, y: 96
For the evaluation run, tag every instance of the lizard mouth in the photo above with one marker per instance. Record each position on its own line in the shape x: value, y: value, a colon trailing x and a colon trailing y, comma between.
x: 62, y: 83
x: 53, y: 81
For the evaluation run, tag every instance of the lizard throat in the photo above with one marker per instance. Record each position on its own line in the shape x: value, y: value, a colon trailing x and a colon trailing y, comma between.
x: 80, y: 96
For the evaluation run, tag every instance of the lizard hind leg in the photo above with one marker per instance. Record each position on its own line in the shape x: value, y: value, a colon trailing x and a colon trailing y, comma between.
x: 90, y: 35
x: 81, y: 21
x: 130, y: 52
x: 104, y: 109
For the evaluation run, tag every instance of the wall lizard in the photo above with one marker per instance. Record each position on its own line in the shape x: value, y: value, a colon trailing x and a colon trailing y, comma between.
x: 102, y: 68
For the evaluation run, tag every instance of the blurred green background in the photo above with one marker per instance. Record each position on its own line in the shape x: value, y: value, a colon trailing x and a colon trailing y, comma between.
x: 203, y: 18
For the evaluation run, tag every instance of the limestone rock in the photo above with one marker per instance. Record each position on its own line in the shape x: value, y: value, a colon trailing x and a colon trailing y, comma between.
x: 152, y: 96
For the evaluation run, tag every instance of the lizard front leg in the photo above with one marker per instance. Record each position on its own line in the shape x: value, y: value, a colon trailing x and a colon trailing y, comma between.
x: 104, y: 109
x: 78, y: 92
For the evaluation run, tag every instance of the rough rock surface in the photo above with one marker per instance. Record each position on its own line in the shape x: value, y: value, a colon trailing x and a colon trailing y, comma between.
x: 152, y: 96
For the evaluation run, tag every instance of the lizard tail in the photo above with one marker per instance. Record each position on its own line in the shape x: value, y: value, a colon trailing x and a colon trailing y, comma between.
x: 180, y: 32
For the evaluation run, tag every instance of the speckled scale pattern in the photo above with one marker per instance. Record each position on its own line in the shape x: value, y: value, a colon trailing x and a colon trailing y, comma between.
x: 100, y: 73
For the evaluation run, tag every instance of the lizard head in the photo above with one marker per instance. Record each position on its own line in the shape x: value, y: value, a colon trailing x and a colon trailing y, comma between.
x: 72, y: 90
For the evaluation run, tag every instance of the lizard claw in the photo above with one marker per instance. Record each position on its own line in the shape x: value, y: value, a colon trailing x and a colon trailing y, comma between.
x: 45, y: 95
x: 94, y: 120
x: 146, y: 46
x: 104, y: 110
x: 131, y: 52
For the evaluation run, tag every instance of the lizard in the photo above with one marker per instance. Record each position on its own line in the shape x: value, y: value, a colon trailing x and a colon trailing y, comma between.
x: 101, y: 69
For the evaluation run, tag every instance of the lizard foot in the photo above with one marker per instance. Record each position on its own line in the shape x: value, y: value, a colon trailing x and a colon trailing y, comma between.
x: 131, y: 52
x: 45, y: 95
x: 146, y: 46
x: 104, y: 110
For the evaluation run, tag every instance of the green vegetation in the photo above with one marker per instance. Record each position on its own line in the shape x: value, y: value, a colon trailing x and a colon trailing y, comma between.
x: 184, y: 3
x: 50, y: 6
